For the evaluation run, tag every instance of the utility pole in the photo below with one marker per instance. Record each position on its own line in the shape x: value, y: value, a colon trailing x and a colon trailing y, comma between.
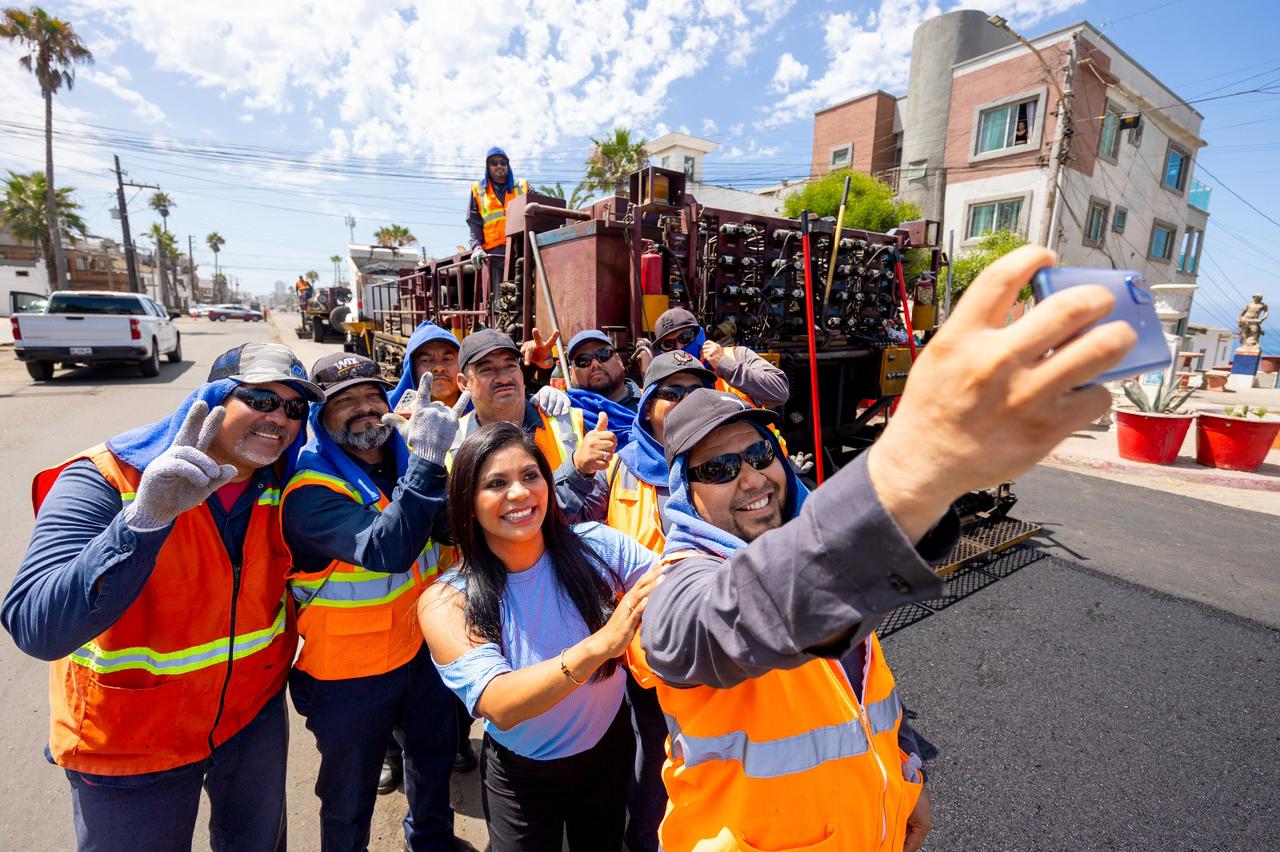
x: 351, y: 227
x: 1060, y: 151
x: 129, y: 250
x: 192, y: 281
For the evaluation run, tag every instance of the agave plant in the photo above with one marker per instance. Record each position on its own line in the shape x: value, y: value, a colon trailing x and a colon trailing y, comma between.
x: 1245, y: 411
x: 1166, y: 400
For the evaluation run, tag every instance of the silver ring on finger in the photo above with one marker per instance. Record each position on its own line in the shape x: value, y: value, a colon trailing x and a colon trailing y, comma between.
x: 630, y: 608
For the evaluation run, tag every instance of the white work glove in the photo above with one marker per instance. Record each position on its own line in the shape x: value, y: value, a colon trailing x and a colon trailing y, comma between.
x: 430, y: 429
x: 183, y: 476
x: 478, y: 256
x: 553, y: 401
x: 801, y: 463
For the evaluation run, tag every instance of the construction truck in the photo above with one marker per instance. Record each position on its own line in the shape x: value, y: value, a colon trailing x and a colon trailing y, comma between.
x: 324, y: 313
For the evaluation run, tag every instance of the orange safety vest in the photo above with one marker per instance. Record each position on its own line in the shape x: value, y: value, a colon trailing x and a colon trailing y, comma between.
x: 155, y: 690
x: 557, y: 437
x: 788, y: 760
x: 494, y: 212
x: 355, y: 622
x: 634, y: 506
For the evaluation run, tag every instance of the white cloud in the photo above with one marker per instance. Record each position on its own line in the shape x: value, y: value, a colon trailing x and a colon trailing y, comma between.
x: 790, y: 71
x: 753, y: 151
x: 113, y: 79
x: 873, y: 51
x: 709, y: 126
x: 246, y: 118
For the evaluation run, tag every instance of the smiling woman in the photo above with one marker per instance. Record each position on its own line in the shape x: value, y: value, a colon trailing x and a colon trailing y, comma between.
x: 527, y: 632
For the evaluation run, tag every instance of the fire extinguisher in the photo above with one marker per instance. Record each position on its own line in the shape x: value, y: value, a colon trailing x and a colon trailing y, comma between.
x: 651, y: 270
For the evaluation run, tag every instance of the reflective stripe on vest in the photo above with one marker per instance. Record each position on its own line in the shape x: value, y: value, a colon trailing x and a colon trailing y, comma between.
x: 789, y: 755
x: 186, y: 660
x: 351, y: 588
x: 493, y: 212
x: 564, y: 430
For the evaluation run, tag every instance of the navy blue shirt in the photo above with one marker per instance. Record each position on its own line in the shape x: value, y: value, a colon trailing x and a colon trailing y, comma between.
x: 84, y: 567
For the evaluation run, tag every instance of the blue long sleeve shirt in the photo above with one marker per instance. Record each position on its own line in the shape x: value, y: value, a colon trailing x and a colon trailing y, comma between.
x: 84, y: 567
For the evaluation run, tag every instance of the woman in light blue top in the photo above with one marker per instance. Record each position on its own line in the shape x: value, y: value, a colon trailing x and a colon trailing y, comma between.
x: 527, y: 631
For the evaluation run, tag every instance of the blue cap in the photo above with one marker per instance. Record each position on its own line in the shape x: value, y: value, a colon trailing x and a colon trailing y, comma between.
x: 585, y: 335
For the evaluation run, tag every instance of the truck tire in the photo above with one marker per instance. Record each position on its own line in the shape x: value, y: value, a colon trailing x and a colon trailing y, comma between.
x: 317, y: 329
x: 41, y: 371
x: 338, y: 316
x: 175, y: 356
x: 150, y: 368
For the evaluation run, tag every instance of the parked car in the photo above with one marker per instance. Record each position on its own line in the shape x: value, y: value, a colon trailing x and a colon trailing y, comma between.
x: 83, y: 327
x: 234, y: 312
x: 199, y: 310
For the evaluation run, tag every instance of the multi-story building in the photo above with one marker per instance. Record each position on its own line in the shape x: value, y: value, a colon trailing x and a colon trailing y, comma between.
x: 682, y: 152
x: 974, y: 142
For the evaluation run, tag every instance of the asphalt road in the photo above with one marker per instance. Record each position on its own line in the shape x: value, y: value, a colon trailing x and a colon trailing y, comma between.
x: 1065, y: 708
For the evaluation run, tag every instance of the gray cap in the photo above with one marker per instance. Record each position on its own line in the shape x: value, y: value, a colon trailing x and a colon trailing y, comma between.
x: 585, y: 335
x: 258, y: 363
x: 704, y: 411
x: 669, y: 363
x: 478, y: 344
x: 674, y: 319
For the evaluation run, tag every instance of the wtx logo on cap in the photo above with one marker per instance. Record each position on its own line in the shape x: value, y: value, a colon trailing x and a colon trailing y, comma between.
x: 346, y: 364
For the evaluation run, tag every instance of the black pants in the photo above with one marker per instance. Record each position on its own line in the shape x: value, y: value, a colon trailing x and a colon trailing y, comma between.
x: 529, y: 804
x: 647, y: 798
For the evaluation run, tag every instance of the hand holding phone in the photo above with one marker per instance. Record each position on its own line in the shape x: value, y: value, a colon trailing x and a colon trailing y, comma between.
x: 1134, y: 305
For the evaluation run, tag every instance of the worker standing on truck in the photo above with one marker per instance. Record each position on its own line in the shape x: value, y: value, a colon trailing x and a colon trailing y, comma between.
x: 360, y: 518
x: 487, y: 210
x: 737, y: 368
x: 156, y: 571
x: 786, y: 727
x: 305, y: 291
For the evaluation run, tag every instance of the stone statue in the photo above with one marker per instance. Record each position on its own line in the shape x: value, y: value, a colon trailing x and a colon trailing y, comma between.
x: 1251, y: 319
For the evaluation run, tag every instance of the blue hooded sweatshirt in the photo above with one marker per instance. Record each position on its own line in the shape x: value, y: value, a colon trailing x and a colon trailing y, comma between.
x: 689, y: 531
x: 500, y: 191
x: 422, y: 335
x: 620, y: 417
x: 642, y: 453
x: 321, y: 454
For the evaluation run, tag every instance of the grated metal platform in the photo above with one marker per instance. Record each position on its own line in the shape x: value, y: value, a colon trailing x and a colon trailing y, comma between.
x: 986, y: 539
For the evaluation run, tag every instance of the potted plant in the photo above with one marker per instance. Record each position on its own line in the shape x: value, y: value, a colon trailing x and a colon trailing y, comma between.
x: 1235, y: 439
x: 1153, y: 433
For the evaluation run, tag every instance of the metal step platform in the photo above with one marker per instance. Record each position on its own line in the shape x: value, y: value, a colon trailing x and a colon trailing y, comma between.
x: 986, y: 539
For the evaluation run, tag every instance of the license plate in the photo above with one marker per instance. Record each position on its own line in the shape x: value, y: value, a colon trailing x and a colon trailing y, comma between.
x: 81, y: 350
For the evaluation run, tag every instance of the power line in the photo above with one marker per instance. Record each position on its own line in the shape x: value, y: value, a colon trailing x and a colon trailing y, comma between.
x: 1238, y: 196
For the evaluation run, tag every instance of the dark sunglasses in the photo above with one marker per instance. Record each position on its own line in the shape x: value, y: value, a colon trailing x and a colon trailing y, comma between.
x: 264, y: 401
x: 726, y: 468
x: 680, y: 341
x: 584, y: 360
x: 675, y: 393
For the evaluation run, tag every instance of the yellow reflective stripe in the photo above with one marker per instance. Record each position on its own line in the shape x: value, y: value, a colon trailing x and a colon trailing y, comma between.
x: 305, y: 476
x: 270, y: 497
x: 319, y: 600
x: 128, y: 497
x: 95, y: 657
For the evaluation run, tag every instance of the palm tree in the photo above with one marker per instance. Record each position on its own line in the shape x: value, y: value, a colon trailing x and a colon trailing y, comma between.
x: 612, y: 160
x: 166, y: 247
x: 573, y: 200
x: 161, y: 203
x: 52, y: 49
x: 394, y: 236
x: 335, y: 259
x: 312, y: 276
x: 25, y: 211
x: 215, y: 242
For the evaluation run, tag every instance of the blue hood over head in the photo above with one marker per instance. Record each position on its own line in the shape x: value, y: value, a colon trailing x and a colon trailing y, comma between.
x: 422, y: 335
x: 139, y: 447
x: 689, y: 531
x: 643, y: 454
x: 499, y: 191
x: 323, y: 455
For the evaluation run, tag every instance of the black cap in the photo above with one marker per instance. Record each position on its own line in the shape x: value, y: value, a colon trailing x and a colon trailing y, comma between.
x: 702, y: 412
x: 478, y: 344
x: 669, y: 363
x: 338, y: 371
x: 673, y: 320
x: 257, y: 363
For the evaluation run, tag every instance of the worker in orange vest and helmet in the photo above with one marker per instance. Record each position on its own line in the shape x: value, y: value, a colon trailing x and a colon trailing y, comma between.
x: 487, y: 209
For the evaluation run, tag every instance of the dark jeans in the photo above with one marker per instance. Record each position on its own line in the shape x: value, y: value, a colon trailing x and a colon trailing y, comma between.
x: 646, y: 797
x: 529, y: 804
x: 353, y: 720
x: 156, y: 811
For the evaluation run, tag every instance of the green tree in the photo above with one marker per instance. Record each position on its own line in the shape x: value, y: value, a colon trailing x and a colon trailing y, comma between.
x: 25, y: 211
x: 166, y: 252
x: 394, y: 236
x: 967, y: 265
x: 51, y: 50
x: 215, y: 241
x: 335, y: 259
x: 612, y: 160
x: 573, y: 200
x: 161, y: 203
x: 871, y: 206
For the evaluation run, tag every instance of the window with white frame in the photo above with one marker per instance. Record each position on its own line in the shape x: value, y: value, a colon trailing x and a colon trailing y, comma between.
x: 917, y: 170
x: 689, y: 163
x: 1177, y: 162
x: 1006, y: 126
x: 1109, y: 134
x: 991, y: 216
x: 1095, y: 222
x: 841, y: 156
x: 666, y: 161
x: 1163, y: 236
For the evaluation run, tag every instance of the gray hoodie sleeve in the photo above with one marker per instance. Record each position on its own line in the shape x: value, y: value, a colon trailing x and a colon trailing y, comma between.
x: 835, y: 570
x: 754, y: 376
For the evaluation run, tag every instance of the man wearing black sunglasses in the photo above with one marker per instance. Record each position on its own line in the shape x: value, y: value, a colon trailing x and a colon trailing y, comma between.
x: 597, y: 366
x: 363, y: 518
x: 737, y: 369
x: 157, y: 569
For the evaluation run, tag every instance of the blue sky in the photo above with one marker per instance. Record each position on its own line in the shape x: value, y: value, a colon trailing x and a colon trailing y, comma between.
x: 269, y: 122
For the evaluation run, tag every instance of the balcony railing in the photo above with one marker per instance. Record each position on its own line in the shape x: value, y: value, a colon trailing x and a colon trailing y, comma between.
x: 1198, y: 197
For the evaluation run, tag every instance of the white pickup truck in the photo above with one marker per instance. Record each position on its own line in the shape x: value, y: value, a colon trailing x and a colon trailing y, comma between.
x: 81, y: 327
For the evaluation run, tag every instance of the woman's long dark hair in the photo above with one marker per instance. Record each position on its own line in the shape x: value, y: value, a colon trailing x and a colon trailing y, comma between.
x: 577, y: 566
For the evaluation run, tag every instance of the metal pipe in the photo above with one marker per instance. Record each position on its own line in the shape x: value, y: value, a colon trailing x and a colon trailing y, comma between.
x: 551, y: 307
x: 813, y: 350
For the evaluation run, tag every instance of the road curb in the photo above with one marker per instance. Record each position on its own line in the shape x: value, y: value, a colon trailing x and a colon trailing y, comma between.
x: 1191, y: 475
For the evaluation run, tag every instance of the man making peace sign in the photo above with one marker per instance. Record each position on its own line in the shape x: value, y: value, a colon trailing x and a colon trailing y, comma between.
x: 155, y: 584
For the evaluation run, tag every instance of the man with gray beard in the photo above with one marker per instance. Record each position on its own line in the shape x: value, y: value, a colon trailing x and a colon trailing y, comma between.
x: 360, y: 518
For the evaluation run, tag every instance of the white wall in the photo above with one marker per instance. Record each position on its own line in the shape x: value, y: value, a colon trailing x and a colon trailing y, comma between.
x: 35, y: 280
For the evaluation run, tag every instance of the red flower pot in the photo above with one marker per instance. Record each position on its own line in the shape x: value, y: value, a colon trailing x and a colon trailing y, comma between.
x: 1150, y: 438
x: 1234, y: 443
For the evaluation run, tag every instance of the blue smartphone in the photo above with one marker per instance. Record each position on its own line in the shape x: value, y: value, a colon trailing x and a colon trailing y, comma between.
x: 1134, y: 305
